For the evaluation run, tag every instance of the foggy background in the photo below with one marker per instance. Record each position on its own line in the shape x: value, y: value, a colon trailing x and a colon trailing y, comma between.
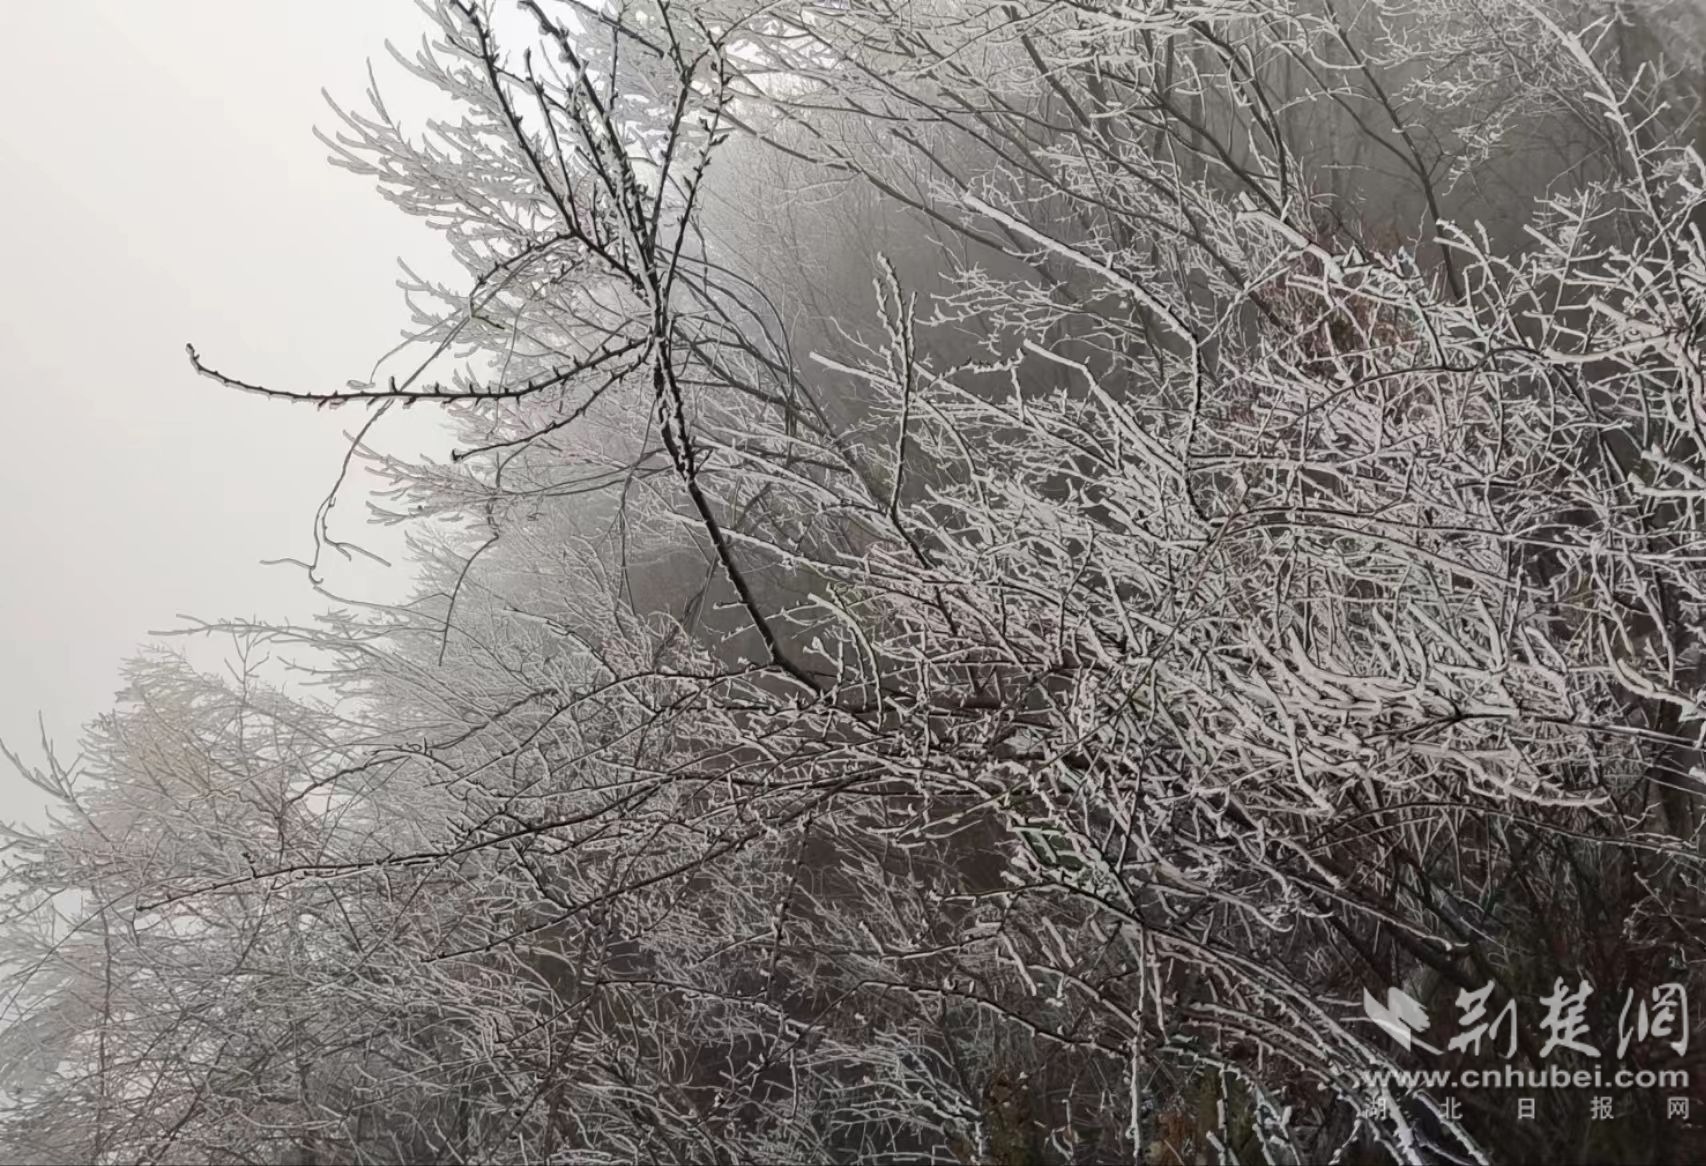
x: 162, y: 184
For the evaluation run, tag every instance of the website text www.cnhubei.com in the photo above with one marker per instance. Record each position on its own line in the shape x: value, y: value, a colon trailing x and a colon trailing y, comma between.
x: 1549, y: 1077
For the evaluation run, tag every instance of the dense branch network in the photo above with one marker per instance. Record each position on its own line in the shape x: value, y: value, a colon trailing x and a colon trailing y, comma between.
x: 986, y: 650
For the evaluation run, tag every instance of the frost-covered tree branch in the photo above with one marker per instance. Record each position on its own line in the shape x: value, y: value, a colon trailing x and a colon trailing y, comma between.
x: 1005, y: 565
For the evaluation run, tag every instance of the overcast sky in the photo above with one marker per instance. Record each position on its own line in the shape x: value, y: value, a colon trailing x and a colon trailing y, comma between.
x: 162, y: 184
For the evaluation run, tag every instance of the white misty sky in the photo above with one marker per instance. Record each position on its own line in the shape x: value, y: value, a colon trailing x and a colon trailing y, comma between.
x: 161, y: 184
